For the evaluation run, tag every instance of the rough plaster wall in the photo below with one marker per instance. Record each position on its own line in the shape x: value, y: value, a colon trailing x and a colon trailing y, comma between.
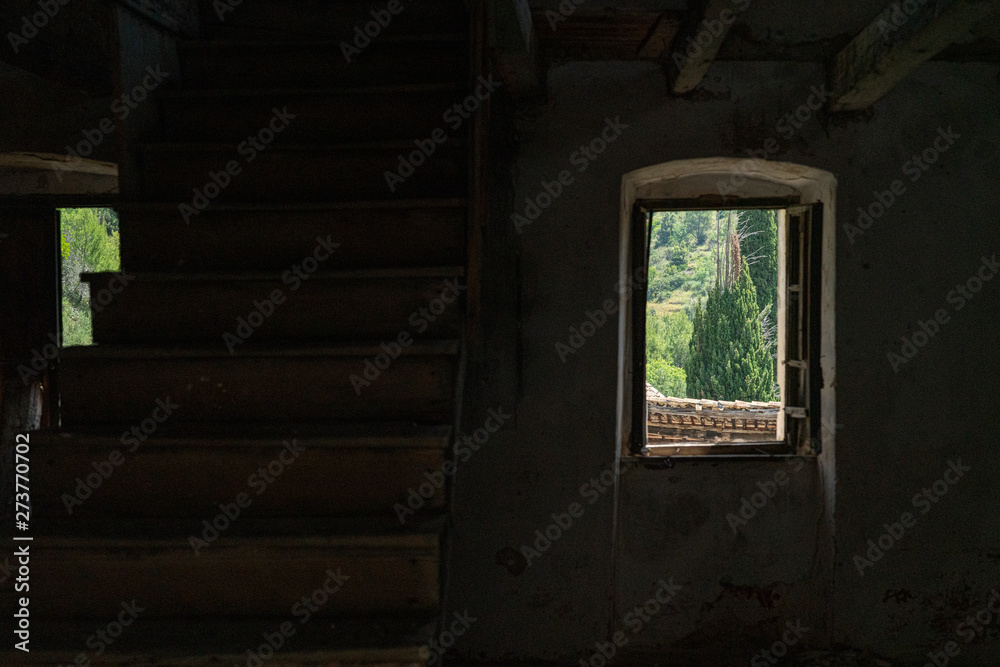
x: 896, y: 435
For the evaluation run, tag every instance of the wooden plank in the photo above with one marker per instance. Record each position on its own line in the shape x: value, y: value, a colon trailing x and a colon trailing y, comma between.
x: 893, y: 44
x: 159, y: 309
x: 257, y: 385
x: 698, y: 41
x: 233, y: 577
x: 284, y: 173
x: 203, y: 642
x: 156, y: 238
x: 170, y: 477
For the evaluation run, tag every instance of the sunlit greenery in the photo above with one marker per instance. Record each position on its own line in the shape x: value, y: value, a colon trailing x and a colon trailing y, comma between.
x: 720, y: 268
x: 89, y: 244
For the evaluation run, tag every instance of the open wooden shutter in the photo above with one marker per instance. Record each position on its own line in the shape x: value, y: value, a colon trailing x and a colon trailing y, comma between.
x: 641, y: 230
x: 799, y: 362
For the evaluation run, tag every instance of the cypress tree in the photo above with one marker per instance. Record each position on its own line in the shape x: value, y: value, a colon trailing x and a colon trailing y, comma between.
x: 729, y: 360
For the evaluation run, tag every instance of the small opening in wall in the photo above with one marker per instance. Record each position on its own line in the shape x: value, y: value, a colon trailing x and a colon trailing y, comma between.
x: 89, y: 244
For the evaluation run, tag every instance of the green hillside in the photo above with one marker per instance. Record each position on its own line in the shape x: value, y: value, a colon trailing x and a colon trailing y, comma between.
x: 712, y: 277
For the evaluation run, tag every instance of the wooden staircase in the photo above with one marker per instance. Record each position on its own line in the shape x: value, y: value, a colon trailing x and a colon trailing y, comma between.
x: 186, y: 524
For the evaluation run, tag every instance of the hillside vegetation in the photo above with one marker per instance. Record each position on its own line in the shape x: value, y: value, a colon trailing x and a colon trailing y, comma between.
x: 89, y: 244
x: 712, y: 299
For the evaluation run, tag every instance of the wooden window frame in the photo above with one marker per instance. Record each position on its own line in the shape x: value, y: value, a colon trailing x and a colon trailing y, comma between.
x: 799, y: 321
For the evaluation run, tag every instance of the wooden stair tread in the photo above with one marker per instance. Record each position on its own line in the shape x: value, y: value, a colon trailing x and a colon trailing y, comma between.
x: 399, y: 638
x: 250, y: 276
x: 316, y: 434
x: 442, y: 347
x: 247, y: 534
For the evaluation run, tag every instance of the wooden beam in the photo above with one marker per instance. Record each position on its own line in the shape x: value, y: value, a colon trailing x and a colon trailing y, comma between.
x: 892, y: 45
x: 515, y: 47
x: 698, y: 41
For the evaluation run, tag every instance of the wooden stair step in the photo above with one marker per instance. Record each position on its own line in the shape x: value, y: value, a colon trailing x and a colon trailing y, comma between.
x: 406, y: 233
x: 126, y: 475
x: 330, y: 116
x: 292, y: 172
x: 222, y: 308
x: 427, y: 58
x: 304, y: 19
x: 350, y: 641
x: 232, y: 577
x: 120, y: 383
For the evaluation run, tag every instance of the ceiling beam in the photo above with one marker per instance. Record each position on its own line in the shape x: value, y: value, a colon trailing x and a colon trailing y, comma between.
x: 903, y: 35
x: 698, y: 41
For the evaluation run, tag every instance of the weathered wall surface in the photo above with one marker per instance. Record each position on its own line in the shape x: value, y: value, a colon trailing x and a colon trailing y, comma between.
x: 898, y: 432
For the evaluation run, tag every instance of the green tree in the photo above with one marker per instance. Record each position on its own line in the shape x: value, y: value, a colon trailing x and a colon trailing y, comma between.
x: 698, y: 224
x: 729, y: 359
x: 89, y: 244
x: 668, y: 336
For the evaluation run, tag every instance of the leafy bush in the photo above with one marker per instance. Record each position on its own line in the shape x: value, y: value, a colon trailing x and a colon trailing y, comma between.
x: 89, y: 244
